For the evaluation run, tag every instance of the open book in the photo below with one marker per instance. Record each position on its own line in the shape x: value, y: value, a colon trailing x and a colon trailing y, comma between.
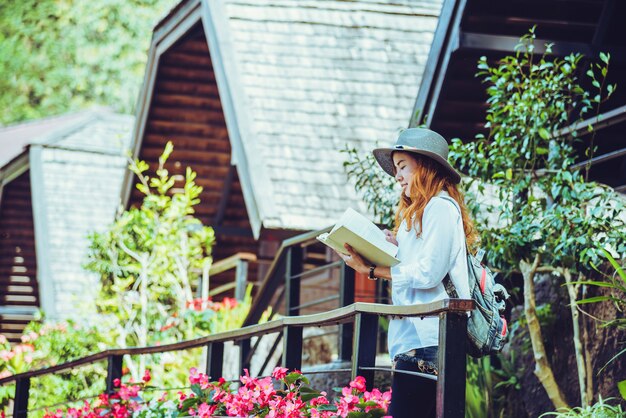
x: 363, y: 236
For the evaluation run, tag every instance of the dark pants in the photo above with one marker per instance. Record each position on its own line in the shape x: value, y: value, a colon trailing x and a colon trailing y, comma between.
x: 414, y: 396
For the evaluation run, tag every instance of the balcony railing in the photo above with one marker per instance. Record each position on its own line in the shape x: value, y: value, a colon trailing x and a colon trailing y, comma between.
x: 362, y: 316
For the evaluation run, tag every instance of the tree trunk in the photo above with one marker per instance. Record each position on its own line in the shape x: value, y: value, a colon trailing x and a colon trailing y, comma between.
x: 543, y: 371
x: 586, y: 347
x: 572, y: 291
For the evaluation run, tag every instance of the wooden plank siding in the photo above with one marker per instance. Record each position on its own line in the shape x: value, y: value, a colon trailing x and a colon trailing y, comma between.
x: 187, y: 110
x: 18, y: 263
x: 456, y: 107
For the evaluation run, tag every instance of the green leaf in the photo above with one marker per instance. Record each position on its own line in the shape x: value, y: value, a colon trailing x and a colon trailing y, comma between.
x: 357, y: 414
x: 620, y: 271
x: 621, y: 386
x: 509, y: 174
x: 593, y: 283
x: 189, y: 403
x: 306, y: 397
x: 594, y: 299
x: 543, y: 132
x: 604, y: 57
x: 195, y: 388
x: 326, y: 407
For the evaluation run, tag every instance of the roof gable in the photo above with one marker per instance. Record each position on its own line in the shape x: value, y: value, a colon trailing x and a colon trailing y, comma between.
x: 297, y: 82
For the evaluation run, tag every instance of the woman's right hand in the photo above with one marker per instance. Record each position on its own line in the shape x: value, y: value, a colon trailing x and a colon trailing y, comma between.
x: 390, y: 237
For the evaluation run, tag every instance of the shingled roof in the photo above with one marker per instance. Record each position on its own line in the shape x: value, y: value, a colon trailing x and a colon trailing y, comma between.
x: 298, y: 81
x: 60, y: 180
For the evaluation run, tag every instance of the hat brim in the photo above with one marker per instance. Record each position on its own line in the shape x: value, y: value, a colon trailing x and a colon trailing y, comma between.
x: 384, y: 158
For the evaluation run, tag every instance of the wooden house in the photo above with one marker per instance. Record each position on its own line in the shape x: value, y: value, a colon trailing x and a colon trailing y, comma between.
x: 454, y: 100
x: 60, y: 179
x: 259, y: 97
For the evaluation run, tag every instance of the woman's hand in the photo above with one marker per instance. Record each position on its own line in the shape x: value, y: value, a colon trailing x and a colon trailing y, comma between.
x: 390, y: 237
x: 355, y: 261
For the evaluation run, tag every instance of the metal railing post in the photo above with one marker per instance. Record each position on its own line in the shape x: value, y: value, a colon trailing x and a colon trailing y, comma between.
x: 452, y: 365
x: 241, y: 277
x: 292, y: 348
x: 20, y: 405
x: 214, y: 360
x: 364, y: 351
x: 244, y: 355
x: 346, y: 297
x: 114, y: 371
x: 293, y: 267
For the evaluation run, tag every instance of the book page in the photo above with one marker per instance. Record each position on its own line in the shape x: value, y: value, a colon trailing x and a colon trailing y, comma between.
x: 364, y: 236
x: 367, y: 230
x: 332, y: 244
x: 366, y: 249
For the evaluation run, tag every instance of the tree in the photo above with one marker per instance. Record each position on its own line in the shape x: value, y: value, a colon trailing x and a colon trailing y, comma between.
x: 550, y: 219
x: 150, y: 256
x: 64, y: 55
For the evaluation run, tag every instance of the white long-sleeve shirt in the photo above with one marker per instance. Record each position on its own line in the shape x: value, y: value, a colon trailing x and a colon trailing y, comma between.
x: 424, y: 262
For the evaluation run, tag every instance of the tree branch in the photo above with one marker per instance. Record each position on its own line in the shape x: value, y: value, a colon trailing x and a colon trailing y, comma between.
x: 572, y: 291
x: 543, y: 370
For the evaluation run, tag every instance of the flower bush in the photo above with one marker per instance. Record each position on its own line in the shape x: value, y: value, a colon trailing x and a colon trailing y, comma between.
x: 202, y: 316
x: 284, y: 394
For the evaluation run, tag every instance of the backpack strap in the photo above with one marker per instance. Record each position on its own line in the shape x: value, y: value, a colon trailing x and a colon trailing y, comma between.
x: 449, y: 286
x: 447, y: 282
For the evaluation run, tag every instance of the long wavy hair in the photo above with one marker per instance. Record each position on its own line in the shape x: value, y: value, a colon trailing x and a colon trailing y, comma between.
x: 429, y: 179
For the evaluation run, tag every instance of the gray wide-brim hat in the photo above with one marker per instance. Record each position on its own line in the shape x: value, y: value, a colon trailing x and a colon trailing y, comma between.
x: 419, y: 141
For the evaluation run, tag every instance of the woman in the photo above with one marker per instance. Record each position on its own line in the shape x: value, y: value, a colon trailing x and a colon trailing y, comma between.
x: 432, y: 231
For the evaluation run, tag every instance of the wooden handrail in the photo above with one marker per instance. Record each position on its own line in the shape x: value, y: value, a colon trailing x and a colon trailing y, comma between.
x: 230, y: 262
x: 272, y: 279
x: 333, y: 317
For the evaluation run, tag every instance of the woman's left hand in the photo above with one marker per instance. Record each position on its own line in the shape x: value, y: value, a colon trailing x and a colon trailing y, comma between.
x: 354, y: 260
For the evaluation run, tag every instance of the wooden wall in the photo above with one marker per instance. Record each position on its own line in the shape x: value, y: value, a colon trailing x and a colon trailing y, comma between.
x: 18, y: 264
x: 186, y: 109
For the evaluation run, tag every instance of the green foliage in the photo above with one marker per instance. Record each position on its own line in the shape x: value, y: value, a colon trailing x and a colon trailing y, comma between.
x: 616, y: 284
x: 478, y: 388
x: 544, y: 204
x: 375, y: 186
x: 519, y: 328
x: 62, y: 342
x: 600, y: 409
x: 216, y: 317
x: 60, y: 55
x: 46, y: 345
x: 150, y: 256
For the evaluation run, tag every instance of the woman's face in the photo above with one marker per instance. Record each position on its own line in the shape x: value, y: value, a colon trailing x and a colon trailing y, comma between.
x: 404, y: 165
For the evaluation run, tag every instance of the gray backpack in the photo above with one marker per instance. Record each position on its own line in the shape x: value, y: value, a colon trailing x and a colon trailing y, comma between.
x: 486, y: 327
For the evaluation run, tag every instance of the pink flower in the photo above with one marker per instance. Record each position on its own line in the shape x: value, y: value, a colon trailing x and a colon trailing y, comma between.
x: 146, y: 376
x: 6, y: 355
x: 127, y: 392
x: 117, y: 382
x: 358, y: 383
x: 280, y: 373
x: 205, y: 410
x: 320, y: 400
